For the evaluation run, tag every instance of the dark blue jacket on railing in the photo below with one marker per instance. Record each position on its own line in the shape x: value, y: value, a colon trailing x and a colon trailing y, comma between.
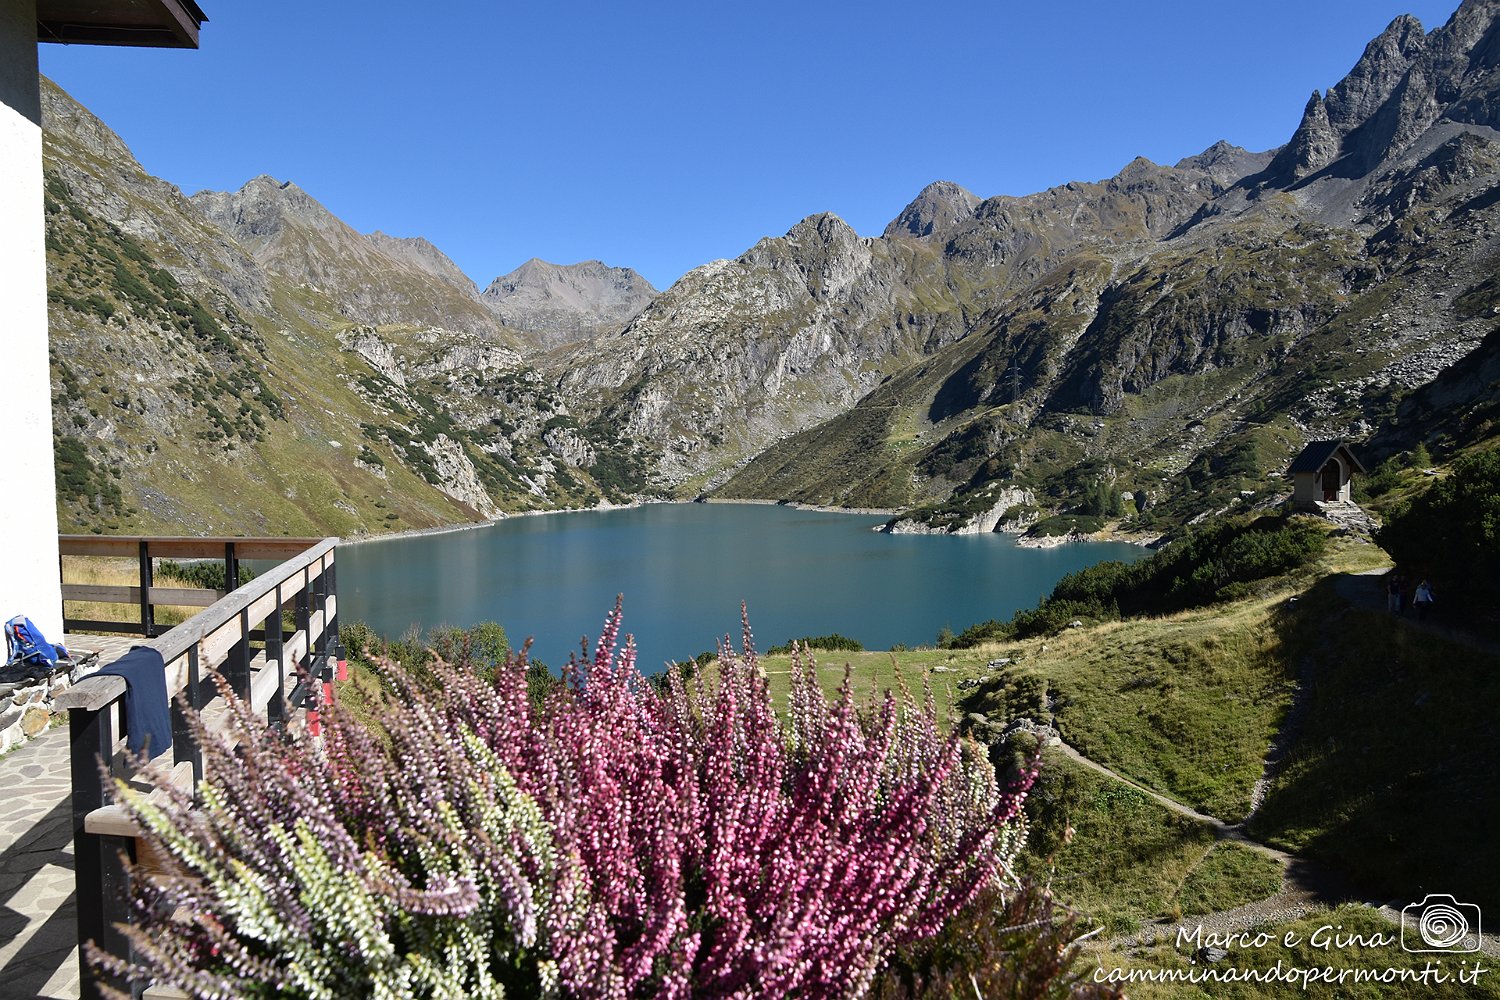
x: 148, y: 719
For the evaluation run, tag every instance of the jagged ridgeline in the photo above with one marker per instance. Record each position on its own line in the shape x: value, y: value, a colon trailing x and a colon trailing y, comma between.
x: 1155, y: 343
x: 1180, y: 331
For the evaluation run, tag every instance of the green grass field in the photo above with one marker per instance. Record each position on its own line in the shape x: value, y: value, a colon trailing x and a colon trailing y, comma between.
x: 1392, y: 779
x: 1130, y: 860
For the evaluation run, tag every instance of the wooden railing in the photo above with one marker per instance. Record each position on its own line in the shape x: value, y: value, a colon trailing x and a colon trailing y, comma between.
x: 146, y: 596
x: 281, y: 672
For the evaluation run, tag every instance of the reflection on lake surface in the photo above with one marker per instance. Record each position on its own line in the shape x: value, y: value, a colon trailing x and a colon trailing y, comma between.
x: 685, y: 568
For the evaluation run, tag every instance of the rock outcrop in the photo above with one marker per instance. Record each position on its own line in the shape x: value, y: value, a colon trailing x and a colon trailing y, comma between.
x: 1404, y: 85
x: 981, y: 522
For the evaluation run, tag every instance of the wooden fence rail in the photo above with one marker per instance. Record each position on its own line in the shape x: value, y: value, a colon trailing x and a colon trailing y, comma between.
x: 283, y: 671
x: 145, y: 551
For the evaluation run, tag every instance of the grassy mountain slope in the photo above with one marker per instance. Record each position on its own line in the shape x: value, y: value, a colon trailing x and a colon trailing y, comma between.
x: 198, y: 388
x: 1372, y: 725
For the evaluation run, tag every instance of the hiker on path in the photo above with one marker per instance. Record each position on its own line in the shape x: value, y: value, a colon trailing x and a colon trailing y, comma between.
x: 1393, y: 593
x: 1423, y: 600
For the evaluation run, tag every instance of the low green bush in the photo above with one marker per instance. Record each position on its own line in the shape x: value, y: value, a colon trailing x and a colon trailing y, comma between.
x: 829, y: 642
x: 360, y: 641
x: 211, y: 575
x: 1067, y: 524
x: 1217, y: 561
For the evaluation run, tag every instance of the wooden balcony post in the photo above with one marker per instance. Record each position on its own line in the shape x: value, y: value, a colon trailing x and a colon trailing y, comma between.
x: 101, y: 883
x: 276, y: 710
x: 148, y: 625
x: 302, y: 614
x: 337, y: 643
x: 184, y: 746
x: 237, y: 664
x: 319, y: 643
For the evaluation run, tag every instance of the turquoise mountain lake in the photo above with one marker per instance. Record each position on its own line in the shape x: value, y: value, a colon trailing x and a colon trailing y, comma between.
x: 685, y: 568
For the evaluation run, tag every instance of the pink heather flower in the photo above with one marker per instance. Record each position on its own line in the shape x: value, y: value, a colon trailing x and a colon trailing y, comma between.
x: 621, y: 839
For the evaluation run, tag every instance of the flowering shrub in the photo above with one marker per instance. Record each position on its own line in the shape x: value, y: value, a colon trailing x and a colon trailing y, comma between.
x: 610, y: 839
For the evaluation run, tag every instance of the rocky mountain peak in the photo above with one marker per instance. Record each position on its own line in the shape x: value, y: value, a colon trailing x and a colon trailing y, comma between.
x: 1377, y: 74
x: 265, y: 206
x: 824, y: 227
x: 66, y: 117
x: 940, y: 207
x: 1313, y: 146
x: 559, y: 303
x: 376, y: 279
x: 1404, y: 83
x: 1225, y: 163
x: 1137, y: 167
x: 1356, y: 100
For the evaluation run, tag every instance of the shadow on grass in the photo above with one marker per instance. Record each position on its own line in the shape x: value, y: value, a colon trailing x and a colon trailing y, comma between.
x: 1392, y: 780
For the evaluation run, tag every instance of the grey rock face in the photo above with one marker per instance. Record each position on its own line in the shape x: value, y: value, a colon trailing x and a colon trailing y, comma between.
x: 740, y: 353
x: 1377, y: 74
x: 556, y: 304
x: 1403, y: 84
x: 1225, y: 164
x: 980, y: 523
x: 1314, y: 145
x: 940, y: 207
x: 212, y: 265
x: 458, y: 478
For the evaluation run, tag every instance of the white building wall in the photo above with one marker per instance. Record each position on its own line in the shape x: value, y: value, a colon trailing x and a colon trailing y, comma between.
x: 28, y: 499
x: 1305, y: 489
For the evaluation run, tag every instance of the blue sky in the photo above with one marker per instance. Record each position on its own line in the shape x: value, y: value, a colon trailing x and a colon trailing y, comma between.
x: 660, y: 136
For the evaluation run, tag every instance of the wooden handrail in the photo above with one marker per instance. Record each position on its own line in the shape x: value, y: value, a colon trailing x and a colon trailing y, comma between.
x: 183, y: 547
x: 177, y: 641
x: 93, y: 693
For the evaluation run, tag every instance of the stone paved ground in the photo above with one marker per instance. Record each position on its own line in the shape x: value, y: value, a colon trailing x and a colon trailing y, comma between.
x: 38, y: 919
x: 38, y: 930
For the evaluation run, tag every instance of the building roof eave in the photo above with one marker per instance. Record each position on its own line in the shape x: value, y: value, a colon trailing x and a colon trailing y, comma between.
x: 150, y: 23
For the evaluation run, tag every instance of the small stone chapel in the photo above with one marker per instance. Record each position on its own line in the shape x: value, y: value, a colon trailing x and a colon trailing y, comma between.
x: 1322, y: 474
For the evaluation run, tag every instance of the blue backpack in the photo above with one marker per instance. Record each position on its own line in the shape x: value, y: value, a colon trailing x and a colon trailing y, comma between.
x: 25, y: 643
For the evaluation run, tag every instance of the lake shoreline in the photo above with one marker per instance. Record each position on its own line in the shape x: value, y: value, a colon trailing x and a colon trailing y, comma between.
x: 797, y: 505
x: 447, y: 529
x: 1022, y: 540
